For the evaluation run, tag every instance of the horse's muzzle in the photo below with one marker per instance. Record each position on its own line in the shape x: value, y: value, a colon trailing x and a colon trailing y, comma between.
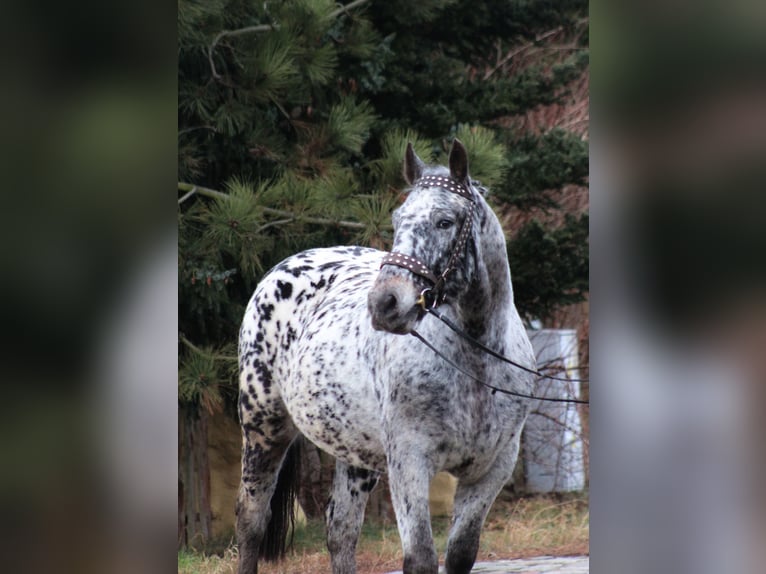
x: 392, y: 303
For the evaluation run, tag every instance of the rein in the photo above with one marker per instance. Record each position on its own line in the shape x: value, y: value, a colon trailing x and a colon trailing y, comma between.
x: 495, y: 354
x: 455, y: 366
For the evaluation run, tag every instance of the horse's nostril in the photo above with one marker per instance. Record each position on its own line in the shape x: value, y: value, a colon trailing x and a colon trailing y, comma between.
x: 389, y: 303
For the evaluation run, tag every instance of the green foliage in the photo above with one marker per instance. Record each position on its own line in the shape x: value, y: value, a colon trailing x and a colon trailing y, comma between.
x: 349, y: 123
x: 374, y: 211
x: 202, y: 374
x: 487, y: 161
x: 272, y: 71
x: 426, y: 87
x: 234, y: 227
x: 540, y: 164
x: 549, y: 266
x: 387, y: 169
x: 533, y: 86
x: 197, y: 379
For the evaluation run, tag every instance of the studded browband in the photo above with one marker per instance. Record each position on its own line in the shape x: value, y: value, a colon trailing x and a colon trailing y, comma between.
x: 418, y: 267
x: 447, y: 183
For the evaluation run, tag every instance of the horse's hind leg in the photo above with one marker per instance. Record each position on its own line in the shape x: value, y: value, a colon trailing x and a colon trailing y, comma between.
x: 472, y: 503
x: 265, y: 447
x: 345, y: 514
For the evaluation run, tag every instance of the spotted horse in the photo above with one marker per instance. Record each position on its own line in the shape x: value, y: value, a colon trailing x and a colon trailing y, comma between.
x: 324, y: 353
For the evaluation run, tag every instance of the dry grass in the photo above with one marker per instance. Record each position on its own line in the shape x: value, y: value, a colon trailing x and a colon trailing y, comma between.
x: 536, y: 526
x: 517, y: 528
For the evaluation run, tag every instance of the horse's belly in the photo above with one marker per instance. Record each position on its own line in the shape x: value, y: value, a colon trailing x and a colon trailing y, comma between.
x: 342, y: 432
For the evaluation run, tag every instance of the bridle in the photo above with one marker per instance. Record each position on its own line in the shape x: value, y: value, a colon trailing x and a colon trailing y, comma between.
x: 433, y: 296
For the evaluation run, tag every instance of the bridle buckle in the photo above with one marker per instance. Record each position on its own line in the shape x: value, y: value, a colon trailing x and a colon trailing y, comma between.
x: 423, y: 301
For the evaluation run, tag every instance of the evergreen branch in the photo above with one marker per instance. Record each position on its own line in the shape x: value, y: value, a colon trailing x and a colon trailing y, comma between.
x: 207, y: 192
x: 196, y: 349
x: 267, y: 28
x: 214, y: 194
x: 246, y: 30
x: 281, y: 109
x: 344, y: 9
x: 274, y: 224
x: 187, y: 130
x: 316, y: 220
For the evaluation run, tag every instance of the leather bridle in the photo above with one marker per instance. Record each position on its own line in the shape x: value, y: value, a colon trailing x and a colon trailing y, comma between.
x: 434, y: 296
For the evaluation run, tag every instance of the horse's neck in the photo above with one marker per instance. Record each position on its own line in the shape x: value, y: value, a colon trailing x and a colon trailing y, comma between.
x: 489, y: 301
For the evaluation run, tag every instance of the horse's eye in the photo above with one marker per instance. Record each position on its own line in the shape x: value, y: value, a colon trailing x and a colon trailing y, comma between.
x: 444, y: 223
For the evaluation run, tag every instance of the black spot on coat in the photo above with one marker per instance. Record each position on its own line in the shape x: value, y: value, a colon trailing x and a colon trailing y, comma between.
x: 284, y: 289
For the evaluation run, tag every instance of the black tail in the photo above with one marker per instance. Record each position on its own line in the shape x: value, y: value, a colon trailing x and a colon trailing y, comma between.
x: 275, y: 544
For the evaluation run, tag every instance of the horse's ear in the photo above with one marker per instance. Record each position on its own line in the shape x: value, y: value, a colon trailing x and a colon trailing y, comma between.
x: 458, y: 161
x: 413, y: 165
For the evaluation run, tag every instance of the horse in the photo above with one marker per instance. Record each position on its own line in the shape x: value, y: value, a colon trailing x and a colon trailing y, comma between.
x: 324, y: 352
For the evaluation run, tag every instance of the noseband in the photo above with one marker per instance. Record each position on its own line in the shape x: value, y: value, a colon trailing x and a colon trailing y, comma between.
x: 434, y: 295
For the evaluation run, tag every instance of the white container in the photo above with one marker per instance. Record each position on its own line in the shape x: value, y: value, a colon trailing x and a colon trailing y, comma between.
x: 552, y: 438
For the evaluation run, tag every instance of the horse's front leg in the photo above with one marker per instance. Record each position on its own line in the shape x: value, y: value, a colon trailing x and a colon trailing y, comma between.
x: 410, y: 474
x: 345, y: 514
x: 472, y: 503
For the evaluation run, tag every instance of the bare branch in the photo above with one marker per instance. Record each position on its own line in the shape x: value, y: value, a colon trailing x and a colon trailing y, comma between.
x: 578, y: 432
x: 526, y: 46
x: 186, y: 196
x: 196, y: 349
x: 539, y: 38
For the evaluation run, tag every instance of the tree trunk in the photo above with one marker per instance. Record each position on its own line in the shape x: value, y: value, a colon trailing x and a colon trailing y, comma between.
x: 195, y: 517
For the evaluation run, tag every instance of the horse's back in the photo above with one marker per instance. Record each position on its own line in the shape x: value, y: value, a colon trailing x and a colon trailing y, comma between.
x: 300, y: 292
x: 302, y: 282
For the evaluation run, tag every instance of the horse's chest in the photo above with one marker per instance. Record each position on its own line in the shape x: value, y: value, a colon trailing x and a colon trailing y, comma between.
x: 458, y: 423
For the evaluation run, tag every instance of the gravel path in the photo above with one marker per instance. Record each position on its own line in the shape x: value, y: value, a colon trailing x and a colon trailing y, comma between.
x: 539, y: 565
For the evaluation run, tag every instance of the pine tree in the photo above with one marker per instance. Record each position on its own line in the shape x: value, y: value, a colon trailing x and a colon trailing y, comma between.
x: 293, y: 120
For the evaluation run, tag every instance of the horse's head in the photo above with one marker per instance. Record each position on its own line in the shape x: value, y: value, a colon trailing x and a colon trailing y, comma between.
x: 432, y: 255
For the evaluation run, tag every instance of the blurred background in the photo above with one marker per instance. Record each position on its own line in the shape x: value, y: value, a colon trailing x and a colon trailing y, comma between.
x: 97, y: 127
x: 677, y: 285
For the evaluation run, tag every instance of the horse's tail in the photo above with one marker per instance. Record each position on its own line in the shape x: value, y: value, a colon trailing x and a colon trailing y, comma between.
x: 282, y: 523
